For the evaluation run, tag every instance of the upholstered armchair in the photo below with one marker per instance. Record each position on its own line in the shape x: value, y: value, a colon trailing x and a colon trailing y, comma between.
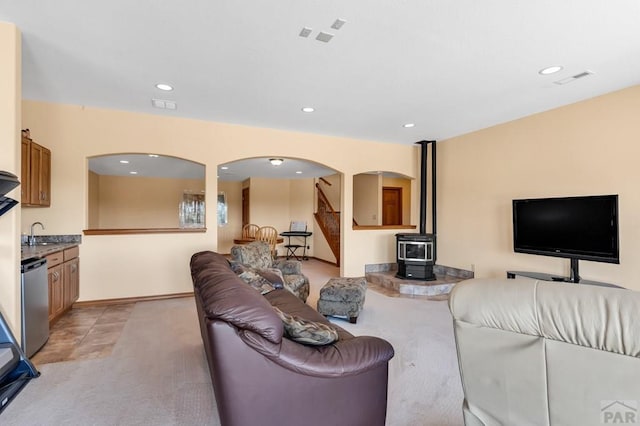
x: 257, y: 254
x: 546, y: 353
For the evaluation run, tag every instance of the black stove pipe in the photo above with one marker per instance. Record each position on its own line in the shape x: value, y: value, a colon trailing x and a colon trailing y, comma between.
x: 423, y: 186
x: 433, y: 189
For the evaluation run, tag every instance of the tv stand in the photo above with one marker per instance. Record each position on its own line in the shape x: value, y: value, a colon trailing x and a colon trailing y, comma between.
x: 549, y: 277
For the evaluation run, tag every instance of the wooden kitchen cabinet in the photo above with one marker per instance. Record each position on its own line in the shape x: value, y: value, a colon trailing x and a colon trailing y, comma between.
x: 64, y: 281
x: 71, y: 281
x: 56, y: 301
x: 36, y: 174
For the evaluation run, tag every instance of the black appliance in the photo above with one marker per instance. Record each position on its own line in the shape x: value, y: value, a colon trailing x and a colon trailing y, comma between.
x: 584, y: 227
x: 8, y: 181
x: 416, y: 253
x: 15, y: 368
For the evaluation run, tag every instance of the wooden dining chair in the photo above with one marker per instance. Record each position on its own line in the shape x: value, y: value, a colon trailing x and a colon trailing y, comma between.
x: 249, y: 231
x: 269, y: 234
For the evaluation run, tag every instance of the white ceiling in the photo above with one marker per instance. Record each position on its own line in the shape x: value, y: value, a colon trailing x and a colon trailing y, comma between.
x: 449, y: 66
x: 145, y: 165
x: 261, y: 167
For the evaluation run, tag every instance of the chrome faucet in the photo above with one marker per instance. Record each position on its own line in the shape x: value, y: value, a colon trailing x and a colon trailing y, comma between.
x: 32, y: 238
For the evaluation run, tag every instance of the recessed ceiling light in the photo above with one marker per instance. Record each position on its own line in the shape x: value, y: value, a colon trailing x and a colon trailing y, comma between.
x: 299, y: 172
x: 408, y: 125
x: 164, y: 87
x: 308, y: 109
x: 124, y: 161
x: 153, y: 155
x: 224, y: 168
x: 133, y: 173
x: 276, y: 161
x: 550, y: 70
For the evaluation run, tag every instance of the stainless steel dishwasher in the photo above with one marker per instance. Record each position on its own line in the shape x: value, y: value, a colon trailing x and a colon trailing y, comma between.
x: 35, y: 305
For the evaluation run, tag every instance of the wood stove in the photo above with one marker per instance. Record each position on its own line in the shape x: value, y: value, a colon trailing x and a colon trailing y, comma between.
x: 416, y: 256
x: 416, y: 253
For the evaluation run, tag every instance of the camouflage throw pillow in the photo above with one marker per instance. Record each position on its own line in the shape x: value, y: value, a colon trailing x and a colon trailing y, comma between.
x: 273, y: 275
x: 236, y: 267
x: 256, y: 281
x: 258, y: 278
x: 307, y: 332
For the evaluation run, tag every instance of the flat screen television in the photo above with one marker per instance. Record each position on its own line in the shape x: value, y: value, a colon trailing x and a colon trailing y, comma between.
x: 572, y: 227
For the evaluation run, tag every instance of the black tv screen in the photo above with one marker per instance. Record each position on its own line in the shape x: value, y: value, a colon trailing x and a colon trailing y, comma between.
x: 572, y: 227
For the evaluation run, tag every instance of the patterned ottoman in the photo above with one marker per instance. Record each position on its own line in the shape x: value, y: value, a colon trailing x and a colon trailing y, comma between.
x: 343, y: 297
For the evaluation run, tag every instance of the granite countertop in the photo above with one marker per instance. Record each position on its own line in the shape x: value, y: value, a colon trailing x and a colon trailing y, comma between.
x: 42, y: 250
x: 47, y: 244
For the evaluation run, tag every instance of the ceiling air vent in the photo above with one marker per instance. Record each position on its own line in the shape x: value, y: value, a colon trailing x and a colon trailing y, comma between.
x: 163, y: 104
x: 325, y: 37
x: 338, y: 24
x: 304, y: 32
x: 574, y: 77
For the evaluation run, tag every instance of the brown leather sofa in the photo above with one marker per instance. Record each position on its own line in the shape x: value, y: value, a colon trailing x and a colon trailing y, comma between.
x: 543, y: 353
x: 260, y: 377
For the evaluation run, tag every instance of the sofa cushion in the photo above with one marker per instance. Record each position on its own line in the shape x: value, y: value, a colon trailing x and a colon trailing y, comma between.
x: 307, y: 332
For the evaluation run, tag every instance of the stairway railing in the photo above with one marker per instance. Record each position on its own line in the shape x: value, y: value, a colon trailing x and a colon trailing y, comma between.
x: 329, y: 221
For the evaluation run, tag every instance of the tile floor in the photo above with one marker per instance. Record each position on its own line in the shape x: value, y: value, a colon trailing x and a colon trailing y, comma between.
x: 84, y: 333
x: 88, y: 332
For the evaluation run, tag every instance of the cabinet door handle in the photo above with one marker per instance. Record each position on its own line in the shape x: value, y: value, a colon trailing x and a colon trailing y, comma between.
x: 74, y: 267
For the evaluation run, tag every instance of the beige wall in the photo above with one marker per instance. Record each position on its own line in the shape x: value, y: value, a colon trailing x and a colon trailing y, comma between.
x: 10, y: 99
x: 301, y: 195
x: 135, y: 265
x: 276, y: 202
x: 140, y: 202
x: 93, y: 201
x: 587, y: 148
x: 233, y: 229
x: 367, y: 193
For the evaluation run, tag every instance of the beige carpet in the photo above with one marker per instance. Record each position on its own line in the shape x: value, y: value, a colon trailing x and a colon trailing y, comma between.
x: 157, y: 374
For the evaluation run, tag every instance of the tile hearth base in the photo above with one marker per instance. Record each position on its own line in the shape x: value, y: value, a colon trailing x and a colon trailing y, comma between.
x: 440, y: 286
x: 384, y: 275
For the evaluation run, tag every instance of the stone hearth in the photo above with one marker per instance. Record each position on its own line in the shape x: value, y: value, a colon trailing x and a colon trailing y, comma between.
x: 446, y: 278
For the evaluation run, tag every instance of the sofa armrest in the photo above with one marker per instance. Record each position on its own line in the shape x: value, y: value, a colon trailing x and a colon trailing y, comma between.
x: 289, y: 267
x: 342, y: 358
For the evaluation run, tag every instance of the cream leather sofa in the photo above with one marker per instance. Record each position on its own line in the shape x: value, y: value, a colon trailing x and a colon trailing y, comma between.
x: 543, y: 353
